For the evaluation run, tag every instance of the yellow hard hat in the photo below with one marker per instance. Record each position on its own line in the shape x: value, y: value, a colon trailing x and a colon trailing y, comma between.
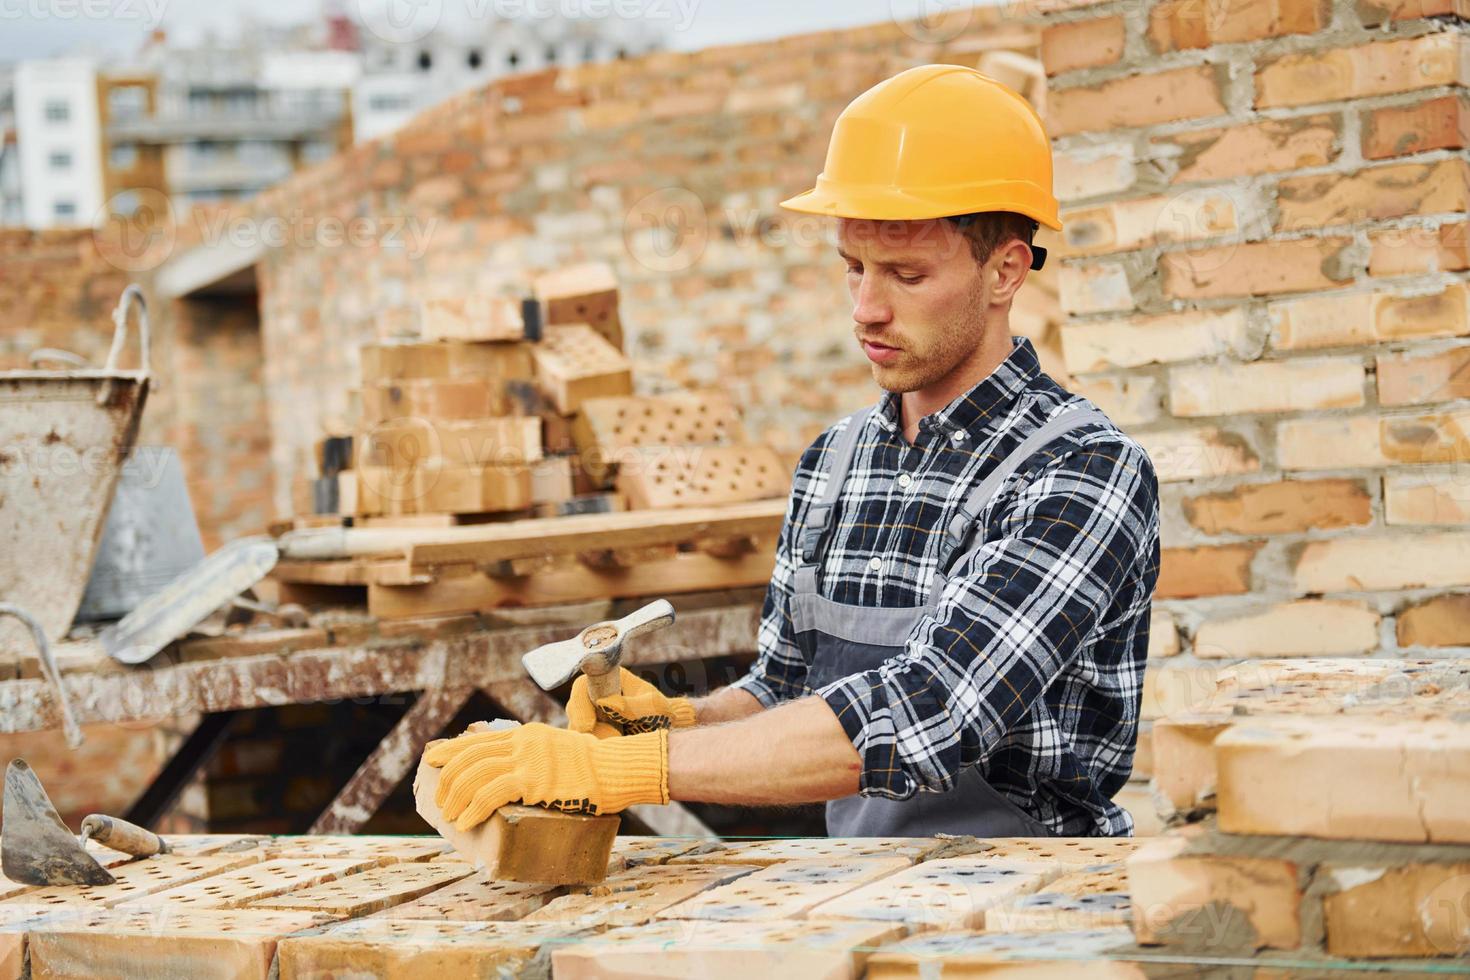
x: 932, y: 142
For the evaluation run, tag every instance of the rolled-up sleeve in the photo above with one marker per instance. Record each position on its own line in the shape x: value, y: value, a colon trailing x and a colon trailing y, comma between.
x: 1073, y: 546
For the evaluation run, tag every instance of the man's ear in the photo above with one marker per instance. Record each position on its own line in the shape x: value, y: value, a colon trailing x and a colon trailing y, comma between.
x: 1009, y: 264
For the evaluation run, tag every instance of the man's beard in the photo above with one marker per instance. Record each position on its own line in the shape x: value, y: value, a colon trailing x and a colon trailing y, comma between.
x: 953, y: 344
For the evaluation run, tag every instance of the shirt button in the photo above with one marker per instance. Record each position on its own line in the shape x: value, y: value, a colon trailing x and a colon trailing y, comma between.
x: 904, y: 480
x: 959, y: 436
x: 875, y: 563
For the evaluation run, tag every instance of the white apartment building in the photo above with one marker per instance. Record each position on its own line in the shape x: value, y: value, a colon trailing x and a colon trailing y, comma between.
x: 59, y: 153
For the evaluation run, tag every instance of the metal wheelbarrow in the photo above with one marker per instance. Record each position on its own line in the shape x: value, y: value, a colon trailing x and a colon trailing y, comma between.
x: 64, y: 436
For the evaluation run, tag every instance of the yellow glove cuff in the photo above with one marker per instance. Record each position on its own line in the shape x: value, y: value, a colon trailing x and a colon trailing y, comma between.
x: 682, y: 710
x: 632, y: 769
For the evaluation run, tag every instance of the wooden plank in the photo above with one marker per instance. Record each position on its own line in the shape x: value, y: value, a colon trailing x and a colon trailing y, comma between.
x: 785, y: 891
x: 477, y: 898
x: 376, y: 947
x: 579, y: 583
x: 390, y: 760
x: 723, y: 950
x: 171, y: 945
x: 946, y: 894
x: 236, y: 889
x: 543, y: 535
x: 403, y: 656
x: 372, y: 890
x: 134, y: 880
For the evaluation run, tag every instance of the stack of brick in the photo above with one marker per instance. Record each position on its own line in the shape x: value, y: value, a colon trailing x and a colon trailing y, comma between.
x: 1340, y: 795
x: 501, y: 410
x: 1265, y: 272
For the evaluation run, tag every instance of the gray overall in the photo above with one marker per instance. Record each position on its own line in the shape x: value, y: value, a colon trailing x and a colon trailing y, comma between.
x: 840, y: 639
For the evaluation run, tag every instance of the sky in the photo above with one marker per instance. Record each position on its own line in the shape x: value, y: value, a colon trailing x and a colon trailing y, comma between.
x: 48, y: 28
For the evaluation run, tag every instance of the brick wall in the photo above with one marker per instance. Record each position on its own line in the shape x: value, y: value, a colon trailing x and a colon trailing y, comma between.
x: 1265, y: 276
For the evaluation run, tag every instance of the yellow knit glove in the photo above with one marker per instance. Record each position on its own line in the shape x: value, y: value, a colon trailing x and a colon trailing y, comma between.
x: 539, y: 764
x: 640, y: 707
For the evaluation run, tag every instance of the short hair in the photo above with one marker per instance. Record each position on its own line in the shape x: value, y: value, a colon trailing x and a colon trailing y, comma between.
x: 988, y: 230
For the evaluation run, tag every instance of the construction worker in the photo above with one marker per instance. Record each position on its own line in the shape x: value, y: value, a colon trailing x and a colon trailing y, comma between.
x: 955, y: 632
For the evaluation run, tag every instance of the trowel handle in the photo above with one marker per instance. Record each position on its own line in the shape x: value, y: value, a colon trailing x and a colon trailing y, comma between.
x: 122, y: 836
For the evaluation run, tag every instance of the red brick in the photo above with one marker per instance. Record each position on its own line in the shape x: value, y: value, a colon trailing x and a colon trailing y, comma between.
x: 1380, y: 68
x: 1176, y: 24
x: 1185, y: 573
x: 1419, y: 251
x: 1422, y: 498
x: 1411, y: 910
x: 1138, y: 100
x: 1438, y: 438
x: 1413, y: 379
x: 1281, y: 508
x: 1308, y: 203
x: 1081, y: 44
x: 1375, y: 12
x: 1294, y: 385
x: 1443, y: 621
x: 1435, y: 124
x: 1268, y: 146
x: 1257, y: 268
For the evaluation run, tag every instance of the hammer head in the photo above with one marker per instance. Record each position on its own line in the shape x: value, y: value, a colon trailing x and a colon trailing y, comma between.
x: 596, y: 650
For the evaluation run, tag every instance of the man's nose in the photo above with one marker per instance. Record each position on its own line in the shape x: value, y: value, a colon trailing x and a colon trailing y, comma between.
x: 870, y: 305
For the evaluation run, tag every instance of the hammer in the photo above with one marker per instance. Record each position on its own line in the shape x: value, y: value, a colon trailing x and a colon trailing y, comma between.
x: 595, y: 651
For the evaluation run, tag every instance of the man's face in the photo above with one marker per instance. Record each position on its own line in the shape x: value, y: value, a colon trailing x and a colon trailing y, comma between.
x: 919, y: 298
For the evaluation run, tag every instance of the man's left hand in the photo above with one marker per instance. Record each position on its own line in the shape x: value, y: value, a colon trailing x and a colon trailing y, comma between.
x: 538, y: 764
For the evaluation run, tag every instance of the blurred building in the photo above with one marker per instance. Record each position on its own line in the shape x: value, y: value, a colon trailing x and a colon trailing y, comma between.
x: 10, y: 200
x: 401, y: 79
x: 58, y: 147
x: 224, y: 118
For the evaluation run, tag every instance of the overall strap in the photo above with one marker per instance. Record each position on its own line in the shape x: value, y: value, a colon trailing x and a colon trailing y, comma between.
x: 819, y: 514
x: 958, y: 530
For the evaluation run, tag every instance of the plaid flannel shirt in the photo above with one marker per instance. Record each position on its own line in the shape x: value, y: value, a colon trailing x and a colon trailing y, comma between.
x: 1031, y: 666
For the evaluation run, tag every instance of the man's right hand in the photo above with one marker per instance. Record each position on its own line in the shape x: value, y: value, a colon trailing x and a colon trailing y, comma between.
x: 640, y: 707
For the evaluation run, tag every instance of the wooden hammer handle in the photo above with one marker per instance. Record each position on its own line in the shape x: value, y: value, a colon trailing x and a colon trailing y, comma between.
x: 123, y: 836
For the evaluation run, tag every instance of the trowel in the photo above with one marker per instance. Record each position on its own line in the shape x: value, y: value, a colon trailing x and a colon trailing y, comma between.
x: 37, y: 849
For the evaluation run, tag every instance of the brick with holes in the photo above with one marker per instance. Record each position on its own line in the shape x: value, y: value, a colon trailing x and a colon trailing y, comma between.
x: 575, y: 363
x: 951, y: 893
x: 700, y: 476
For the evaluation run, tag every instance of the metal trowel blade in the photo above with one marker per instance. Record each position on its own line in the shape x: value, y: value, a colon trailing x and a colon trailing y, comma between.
x: 35, y: 846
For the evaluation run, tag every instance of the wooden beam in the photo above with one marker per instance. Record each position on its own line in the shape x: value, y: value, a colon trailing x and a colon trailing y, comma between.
x: 538, y: 536
x: 390, y: 761
x: 406, y: 660
x: 692, y: 572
